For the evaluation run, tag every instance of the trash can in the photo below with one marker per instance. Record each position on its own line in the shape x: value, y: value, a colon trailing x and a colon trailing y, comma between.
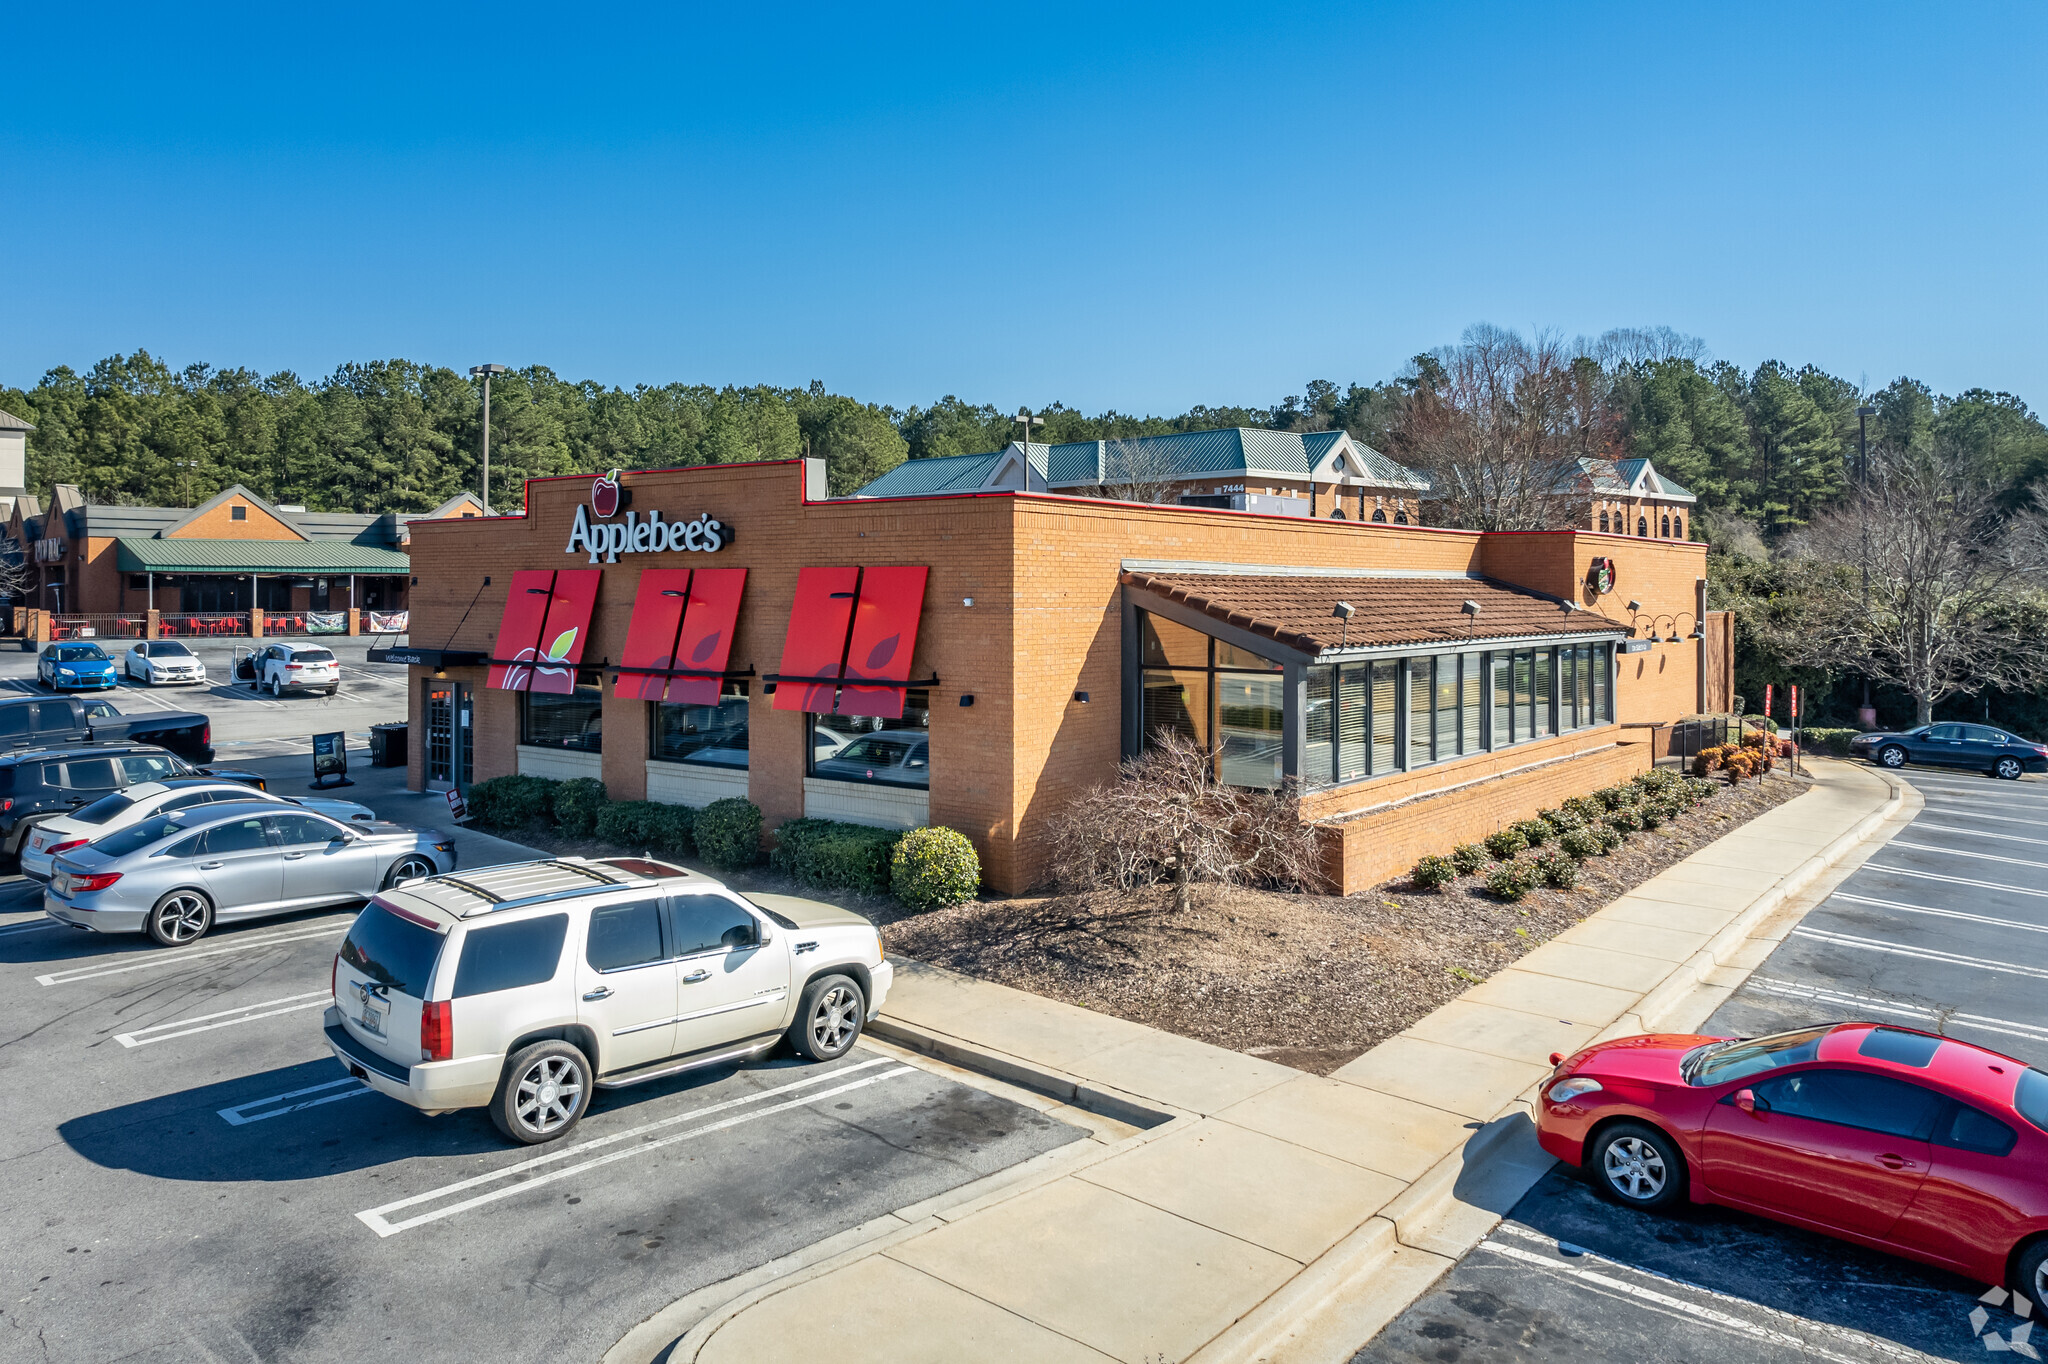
x: 387, y: 745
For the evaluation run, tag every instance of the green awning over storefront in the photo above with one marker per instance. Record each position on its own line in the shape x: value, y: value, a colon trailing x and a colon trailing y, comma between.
x: 243, y: 557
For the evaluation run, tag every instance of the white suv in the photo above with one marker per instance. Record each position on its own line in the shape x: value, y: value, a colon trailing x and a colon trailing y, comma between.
x: 522, y: 987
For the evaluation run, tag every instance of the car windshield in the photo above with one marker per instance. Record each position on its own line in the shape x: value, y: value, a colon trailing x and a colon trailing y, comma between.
x: 81, y: 653
x: 2031, y: 1098
x: 169, y: 648
x: 140, y: 835
x: 104, y: 809
x: 312, y: 656
x: 1741, y: 1058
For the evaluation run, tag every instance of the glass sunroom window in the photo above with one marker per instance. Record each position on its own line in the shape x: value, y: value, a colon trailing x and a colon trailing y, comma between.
x: 1386, y: 686
x: 1228, y: 701
x: 1420, y: 693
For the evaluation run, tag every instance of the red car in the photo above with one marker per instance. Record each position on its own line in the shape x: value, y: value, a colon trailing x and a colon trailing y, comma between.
x: 1899, y: 1140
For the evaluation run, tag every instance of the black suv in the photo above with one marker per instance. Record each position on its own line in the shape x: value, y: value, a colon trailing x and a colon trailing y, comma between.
x: 46, y: 782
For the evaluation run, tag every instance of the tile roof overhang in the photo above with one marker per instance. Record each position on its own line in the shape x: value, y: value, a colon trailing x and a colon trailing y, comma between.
x: 148, y: 554
x: 1297, y: 612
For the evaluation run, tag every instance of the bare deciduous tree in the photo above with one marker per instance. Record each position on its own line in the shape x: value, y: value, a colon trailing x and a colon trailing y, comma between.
x: 1140, y: 471
x: 1166, y: 819
x: 1925, y: 581
x: 1499, y: 424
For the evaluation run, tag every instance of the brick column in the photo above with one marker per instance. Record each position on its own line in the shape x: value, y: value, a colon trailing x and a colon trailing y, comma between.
x: 255, y: 622
x: 355, y: 621
x: 155, y: 623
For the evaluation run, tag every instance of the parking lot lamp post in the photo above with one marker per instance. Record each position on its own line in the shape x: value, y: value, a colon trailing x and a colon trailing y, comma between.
x: 485, y: 372
x: 1867, y: 715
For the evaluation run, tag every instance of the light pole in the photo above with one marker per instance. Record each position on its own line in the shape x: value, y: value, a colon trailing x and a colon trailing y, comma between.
x: 1867, y: 714
x: 484, y: 372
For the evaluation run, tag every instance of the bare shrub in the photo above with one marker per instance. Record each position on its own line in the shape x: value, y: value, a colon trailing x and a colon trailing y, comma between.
x: 1165, y: 819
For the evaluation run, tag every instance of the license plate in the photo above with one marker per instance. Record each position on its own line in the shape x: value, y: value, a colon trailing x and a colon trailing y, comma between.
x: 62, y: 883
x: 372, y: 1020
x: 36, y: 843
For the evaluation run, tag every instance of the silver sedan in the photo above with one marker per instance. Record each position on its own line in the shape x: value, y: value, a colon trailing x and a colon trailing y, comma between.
x: 173, y: 876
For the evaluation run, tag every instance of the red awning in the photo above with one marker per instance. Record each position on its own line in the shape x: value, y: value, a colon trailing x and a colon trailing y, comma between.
x: 883, y: 640
x: 566, y: 631
x: 651, y: 637
x: 851, y: 623
x: 815, y: 645
x: 518, y: 640
x: 706, y: 640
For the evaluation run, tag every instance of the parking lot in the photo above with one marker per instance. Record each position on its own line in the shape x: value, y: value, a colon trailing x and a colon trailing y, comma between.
x: 190, y: 1175
x: 1944, y: 928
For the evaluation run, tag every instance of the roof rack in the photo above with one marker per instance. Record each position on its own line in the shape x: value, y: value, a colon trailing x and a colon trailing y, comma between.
x: 582, y: 869
x: 462, y: 885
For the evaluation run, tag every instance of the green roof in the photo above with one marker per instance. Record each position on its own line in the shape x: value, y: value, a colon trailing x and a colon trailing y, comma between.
x: 147, y: 554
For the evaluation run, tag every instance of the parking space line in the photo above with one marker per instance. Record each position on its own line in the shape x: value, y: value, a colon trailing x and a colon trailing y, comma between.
x: 30, y: 927
x: 1933, y: 1019
x: 1842, y: 1335
x: 376, y: 1220
x: 156, y: 959
x: 2002, y: 819
x: 1975, y: 804
x: 1958, y: 852
x: 1985, y: 919
x: 143, y: 1037
x: 1956, y: 880
x: 1977, y: 833
x: 1927, y: 954
x: 331, y: 1092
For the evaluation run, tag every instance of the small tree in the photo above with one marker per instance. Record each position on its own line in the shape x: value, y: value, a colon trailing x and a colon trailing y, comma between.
x: 1165, y: 818
x: 1925, y: 581
x: 1140, y: 471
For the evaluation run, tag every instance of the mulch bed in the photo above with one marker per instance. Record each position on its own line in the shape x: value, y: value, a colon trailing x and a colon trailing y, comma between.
x: 1305, y: 980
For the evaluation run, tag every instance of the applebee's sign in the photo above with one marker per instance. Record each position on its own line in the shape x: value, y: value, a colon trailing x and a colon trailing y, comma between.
x: 605, y: 540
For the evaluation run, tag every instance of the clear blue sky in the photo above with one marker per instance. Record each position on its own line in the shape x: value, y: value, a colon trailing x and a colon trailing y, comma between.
x: 1108, y: 205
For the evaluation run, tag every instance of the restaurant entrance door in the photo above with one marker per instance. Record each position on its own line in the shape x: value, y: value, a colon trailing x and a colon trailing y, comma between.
x: 449, y: 709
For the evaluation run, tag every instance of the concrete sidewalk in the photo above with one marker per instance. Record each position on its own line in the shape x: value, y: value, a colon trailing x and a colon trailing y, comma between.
x: 1264, y: 1213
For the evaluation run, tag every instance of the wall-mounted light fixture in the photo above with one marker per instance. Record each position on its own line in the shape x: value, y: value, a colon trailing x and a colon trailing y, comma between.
x: 1082, y: 697
x: 767, y: 689
x: 967, y: 601
x: 1343, y: 611
x: 967, y: 700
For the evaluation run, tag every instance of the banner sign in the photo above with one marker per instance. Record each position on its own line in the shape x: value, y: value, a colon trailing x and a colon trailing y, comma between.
x: 330, y: 758
x: 458, y: 808
x: 1767, y: 700
x: 388, y: 622
x: 327, y: 622
x: 1795, y: 701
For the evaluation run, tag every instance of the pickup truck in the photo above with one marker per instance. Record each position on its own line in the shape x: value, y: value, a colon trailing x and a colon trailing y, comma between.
x: 67, y: 721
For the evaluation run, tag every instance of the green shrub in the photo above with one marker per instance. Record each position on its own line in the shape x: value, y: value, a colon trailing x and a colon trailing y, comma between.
x: 1535, y: 831
x: 1834, y: 741
x: 1512, y: 880
x: 1698, y: 789
x: 1616, y: 797
x: 1652, y: 813
x: 1468, y: 858
x: 827, y: 854
x: 1655, y: 781
x: 1505, y: 843
x: 512, y: 802
x: 1558, y: 869
x: 1609, y: 836
x: 1587, y: 808
x: 1562, y: 821
x: 577, y: 802
x: 1432, y: 873
x: 647, y: 826
x: 1625, y: 820
x: 1581, y: 843
x: 934, y: 867
x: 1763, y: 722
x: 728, y: 832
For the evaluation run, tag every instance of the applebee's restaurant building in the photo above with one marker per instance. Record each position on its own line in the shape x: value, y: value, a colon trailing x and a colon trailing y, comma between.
x: 977, y: 659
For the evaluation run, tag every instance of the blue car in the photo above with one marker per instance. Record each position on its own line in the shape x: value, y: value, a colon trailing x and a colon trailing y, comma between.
x: 76, y: 667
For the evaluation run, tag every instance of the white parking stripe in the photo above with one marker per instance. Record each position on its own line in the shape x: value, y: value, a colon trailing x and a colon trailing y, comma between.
x: 376, y: 1220
x: 345, y: 1088
x: 1958, y: 852
x: 1955, y: 880
x: 30, y: 927
x: 1919, y: 953
x: 1869, y: 1346
x: 150, y: 960
x: 185, y: 1027
x: 2002, y: 819
x: 1977, y: 833
x: 2019, y: 924
x: 1864, y: 1004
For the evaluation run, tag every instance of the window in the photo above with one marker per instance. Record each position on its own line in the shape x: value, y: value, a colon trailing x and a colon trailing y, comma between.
x: 297, y: 831
x: 2031, y: 1097
x: 1643, y: 527
x: 1603, y: 521
x: 238, y: 512
x: 509, y: 956
x: 708, y: 923
x: 1354, y: 721
x: 143, y: 833
x: 396, y: 953
x: 1447, y: 731
x: 1400, y: 518
x: 1969, y: 1129
x: 54, y: 716
x: 573, y: 720
x: 141, y: 767
x: 103, y: 809
x: 715, y: 735
x: 1850, y: 1098
x: 1471, y: 681
x: 870, y: 749
x: 1725, y: 1062
x: 624, y: 935
x: 13, y: 722
x: 1228, y: 701
x: 1603, y: 712
x: 1386, y: 685
x: 1525, y: 697
x: 1379, y: 514
x: 1904, y: 1048
x: 1503, y: 701
x: 1542, y: 692
x: 90, y: 774
x: 237, y: 836
x: 1678, y: 524
x: 1667, y: 528
x: 1419, y: 695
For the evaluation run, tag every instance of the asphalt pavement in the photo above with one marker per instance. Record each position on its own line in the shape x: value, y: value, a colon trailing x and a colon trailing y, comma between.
x: 188, y: 1174
x: 1945, y: 928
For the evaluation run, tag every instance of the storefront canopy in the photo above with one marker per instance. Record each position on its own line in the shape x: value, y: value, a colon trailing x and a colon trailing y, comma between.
x: 148, y: 554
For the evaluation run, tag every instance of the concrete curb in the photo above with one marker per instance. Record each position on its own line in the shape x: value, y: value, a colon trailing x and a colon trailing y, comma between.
x: 1110, y: 1103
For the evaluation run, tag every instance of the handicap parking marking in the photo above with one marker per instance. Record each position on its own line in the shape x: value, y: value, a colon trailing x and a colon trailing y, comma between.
x: 377, y: 1219
x: 1931, y: 1019
x: 348, y: 1087
x: 1725, y: 1310
x: 226, y: 1018
x: 1926, y: 954
x: 151, y: 960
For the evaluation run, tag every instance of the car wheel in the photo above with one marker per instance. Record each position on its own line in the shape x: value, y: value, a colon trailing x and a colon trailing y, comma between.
x: 1891, y: 755
x: 180, y: 917
x: 1635, y: 1164
x: 543, y: 1094
x: 2008, y: 769
x: 2030, y: 1274
x: 407, y: 868
x: 276, y: 687
x: 332, y: 690
x: 829, y: 1019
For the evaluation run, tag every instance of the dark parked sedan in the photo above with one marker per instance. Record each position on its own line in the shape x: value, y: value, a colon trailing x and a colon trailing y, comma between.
x: 1977, y: 747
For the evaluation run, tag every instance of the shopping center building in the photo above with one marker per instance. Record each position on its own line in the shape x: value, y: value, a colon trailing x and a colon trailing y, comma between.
x: 976, y: 659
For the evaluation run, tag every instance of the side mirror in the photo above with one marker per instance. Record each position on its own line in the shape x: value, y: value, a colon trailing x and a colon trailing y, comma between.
x: 1745, y: 1099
